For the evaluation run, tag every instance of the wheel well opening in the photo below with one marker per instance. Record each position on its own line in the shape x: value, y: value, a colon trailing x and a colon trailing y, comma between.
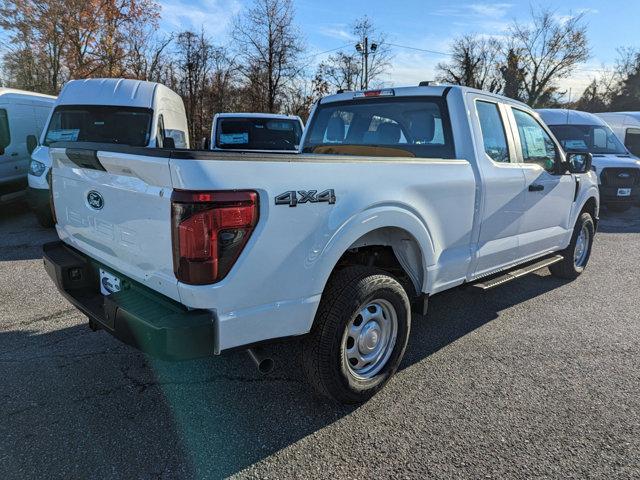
x: 591, y: 207
x: 392, y: 250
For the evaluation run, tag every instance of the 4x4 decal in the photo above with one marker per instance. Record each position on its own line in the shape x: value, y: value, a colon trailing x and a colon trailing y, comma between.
x: 293, y: 197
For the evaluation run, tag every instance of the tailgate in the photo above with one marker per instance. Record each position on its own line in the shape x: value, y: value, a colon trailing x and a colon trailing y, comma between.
x: 116, y: 208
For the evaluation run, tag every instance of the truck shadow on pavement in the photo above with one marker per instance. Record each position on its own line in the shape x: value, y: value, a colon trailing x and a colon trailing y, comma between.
x: 79, y: 404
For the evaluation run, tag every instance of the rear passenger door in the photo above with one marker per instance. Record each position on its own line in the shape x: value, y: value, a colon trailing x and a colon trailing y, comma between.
x: 549, y: 190
x: 502, y: 195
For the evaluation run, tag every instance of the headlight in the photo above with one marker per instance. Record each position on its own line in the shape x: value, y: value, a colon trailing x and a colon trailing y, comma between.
x: 37, y: 168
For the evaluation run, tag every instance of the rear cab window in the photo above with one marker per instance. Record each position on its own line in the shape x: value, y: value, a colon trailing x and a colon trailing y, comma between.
x: 382, y: 126
x: 101, y: 124
x: 258, y: 133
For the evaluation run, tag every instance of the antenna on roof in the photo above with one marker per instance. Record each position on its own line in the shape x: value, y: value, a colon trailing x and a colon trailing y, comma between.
x: 424, y: 83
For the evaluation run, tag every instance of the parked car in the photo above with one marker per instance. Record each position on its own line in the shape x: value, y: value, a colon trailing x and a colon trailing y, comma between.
x: 398, y: 194
x: 626, y: 126
x: 256, y: 132
x: 21, y: 114
x: 111, y: 111
x: 618, y: 171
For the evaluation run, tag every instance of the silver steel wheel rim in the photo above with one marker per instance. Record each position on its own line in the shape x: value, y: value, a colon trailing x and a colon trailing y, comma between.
x: 369, y: 339
x: 582, y: 247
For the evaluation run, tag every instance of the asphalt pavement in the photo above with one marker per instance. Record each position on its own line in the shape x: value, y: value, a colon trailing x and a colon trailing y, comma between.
x: 539, y: 378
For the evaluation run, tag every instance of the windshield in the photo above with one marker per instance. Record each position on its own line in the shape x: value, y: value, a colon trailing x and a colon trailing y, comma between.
x: 406, y: 127
x: 258, y: 134
x: 101, y: 124
x: 595, y: 139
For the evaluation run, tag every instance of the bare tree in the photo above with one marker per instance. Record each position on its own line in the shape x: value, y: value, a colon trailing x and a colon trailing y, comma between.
x: 193, y: 58
x: 269, y: 47
x: 513, y: 75
x: 474, y: 63
x: 625, y: 95
x: 345, y: 70
x: 341, y: 71
x: 549, y: 50
x: 148, y: 55
x: 380, y: 60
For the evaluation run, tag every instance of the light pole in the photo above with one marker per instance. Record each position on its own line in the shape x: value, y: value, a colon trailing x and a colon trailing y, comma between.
x: 365, y: 49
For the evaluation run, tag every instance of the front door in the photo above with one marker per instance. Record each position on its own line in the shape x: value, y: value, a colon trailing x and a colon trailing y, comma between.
x: 549, y: 190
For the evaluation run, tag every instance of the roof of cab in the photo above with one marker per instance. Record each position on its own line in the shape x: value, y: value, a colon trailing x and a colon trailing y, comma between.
x: 12, y: 93
x: 435, y: 89
x: 110, y: 91
x: 562, y: 116
x: 258, y: 115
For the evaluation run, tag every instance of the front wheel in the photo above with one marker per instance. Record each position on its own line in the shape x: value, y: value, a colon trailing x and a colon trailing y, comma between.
x: 359, y: 335
x: 577, y: 254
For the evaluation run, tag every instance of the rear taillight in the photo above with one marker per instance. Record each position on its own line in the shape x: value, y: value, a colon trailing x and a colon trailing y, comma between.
x: 209, y: 231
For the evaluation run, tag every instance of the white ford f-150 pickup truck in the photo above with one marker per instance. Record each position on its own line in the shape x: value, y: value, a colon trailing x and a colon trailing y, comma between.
x: 397, y: 194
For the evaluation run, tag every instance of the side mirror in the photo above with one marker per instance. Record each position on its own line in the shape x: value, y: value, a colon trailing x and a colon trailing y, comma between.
x: 579, y: 162
x: 168, y: 143
x: 32, y: 143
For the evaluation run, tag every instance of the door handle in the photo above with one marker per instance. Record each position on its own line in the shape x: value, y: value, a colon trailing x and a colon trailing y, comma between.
x: 14, y: 154
x: 536, y: 187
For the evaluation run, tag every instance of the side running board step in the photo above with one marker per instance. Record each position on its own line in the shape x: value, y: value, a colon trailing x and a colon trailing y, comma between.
x: 517, y: 273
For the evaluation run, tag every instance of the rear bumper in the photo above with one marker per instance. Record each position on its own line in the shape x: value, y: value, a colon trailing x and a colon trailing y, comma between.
x: 136, y: 315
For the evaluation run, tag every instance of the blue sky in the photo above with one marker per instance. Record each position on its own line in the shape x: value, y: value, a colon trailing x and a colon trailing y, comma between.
x: 426, y: 24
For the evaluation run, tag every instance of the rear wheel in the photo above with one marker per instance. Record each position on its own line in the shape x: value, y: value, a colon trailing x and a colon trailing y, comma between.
x: 359, y: 335
x: 577, y: 254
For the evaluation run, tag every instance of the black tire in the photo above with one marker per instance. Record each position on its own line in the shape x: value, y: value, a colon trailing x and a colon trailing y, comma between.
x: 44, y: 216
x: 567, y: 268
x: 324, y: 361
x: 619, y: 208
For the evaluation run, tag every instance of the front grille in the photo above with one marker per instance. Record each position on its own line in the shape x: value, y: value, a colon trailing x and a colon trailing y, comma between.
x: 620, y: 177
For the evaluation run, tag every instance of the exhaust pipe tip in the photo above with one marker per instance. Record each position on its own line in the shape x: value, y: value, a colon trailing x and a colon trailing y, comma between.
x: 266, y: 366
x: 264, y: 363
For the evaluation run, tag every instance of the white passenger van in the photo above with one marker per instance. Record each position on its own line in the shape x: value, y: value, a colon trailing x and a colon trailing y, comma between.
x: 131, y: 113
x: 626, y: 126
x: 21, y: 114
x: 256, y: 132
x: 618, y: 171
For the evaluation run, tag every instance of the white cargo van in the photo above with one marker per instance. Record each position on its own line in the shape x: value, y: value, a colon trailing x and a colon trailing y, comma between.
x: 618, y: 171
x: 131, y: 113
x: 626, y: 126
x: 256, y: 132
x: 21, y: 114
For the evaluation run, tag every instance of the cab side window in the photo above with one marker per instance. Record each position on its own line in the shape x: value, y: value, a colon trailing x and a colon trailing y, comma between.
x: 536, y: 144
x: 493, y: 133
